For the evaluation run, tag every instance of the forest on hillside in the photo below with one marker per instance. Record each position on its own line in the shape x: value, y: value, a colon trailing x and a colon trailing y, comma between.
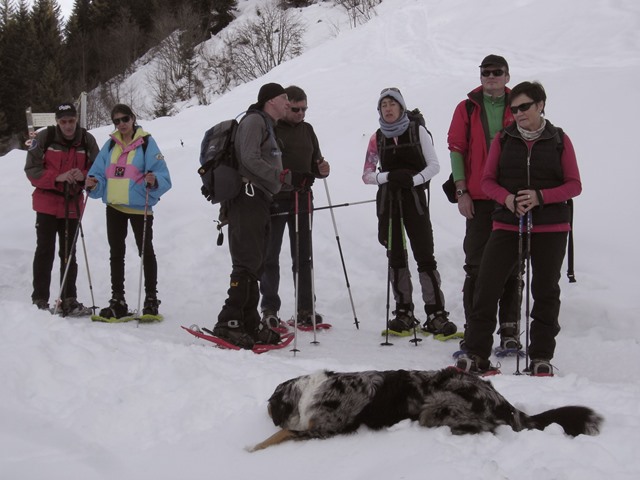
x: 48, y: 60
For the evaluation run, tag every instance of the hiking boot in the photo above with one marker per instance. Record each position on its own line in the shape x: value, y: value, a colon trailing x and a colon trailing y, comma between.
x: 475, y: 365
x: 403, y: 320
x: 509, y: 336
x: 117, y: 308
x: 265, y: 335
x: 233, y: 332
x: 540, y: 368
x: 305, y: 318
x: 41, y: 304
x: 151, y: 304
x: 270, y: 318
x: 510, y: 343
x: 438, y: 324
x: 72, y: 308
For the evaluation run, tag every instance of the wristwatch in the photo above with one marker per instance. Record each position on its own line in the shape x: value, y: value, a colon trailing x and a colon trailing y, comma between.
x: 460, y: 192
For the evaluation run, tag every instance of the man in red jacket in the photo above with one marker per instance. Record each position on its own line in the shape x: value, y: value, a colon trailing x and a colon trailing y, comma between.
x: 57, y: 164
x: 476, y: 120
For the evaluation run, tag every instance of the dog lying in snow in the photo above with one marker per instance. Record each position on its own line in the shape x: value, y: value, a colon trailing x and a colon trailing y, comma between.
x: 328, y: 403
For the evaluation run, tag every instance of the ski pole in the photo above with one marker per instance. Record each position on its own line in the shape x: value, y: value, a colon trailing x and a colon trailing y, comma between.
x: 520, y: 275
x: 67, y: 259
x: 296, y: 273
x: 527, y: 303
x: 86, y: 258
x: 389, y: 227
x: 329, y: 207
x: 66, y: 242
x: 405, y: 256
x: 344, y: 268
x: 142, y: 249
x: 313, y: 287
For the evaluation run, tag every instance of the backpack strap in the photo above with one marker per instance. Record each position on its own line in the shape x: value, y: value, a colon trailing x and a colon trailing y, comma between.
x: 470, y: 107
x: 570, y: 272
x: 570, y: 261
x: 270, y: 132
x: 51, y: 135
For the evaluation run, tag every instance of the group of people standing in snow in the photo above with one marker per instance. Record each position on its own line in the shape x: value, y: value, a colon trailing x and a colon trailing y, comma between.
x: 513, y: 174
x: 129, y: 174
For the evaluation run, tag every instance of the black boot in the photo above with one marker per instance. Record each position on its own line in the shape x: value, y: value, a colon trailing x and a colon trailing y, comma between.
x: 231, y: 324
x: 233, y: 332
x: 117, y: 308
x: 151, y: 305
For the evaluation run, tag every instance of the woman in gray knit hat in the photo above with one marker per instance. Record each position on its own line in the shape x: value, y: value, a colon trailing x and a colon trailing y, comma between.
x: 401, y: 160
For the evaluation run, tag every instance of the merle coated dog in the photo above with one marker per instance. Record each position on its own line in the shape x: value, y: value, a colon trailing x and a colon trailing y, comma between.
x: 328, y: 403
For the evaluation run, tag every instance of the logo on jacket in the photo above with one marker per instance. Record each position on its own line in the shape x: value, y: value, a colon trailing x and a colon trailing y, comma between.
x: 119, y: 172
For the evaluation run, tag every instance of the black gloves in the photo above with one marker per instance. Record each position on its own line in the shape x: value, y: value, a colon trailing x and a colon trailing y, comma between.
x: 301, y: 181
x: 400, y: 179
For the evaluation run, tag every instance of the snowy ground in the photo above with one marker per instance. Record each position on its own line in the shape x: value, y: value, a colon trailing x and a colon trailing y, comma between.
x: 94, y: 401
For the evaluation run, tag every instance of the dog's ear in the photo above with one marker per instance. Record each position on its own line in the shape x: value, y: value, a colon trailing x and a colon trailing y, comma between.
x: 278, y: 437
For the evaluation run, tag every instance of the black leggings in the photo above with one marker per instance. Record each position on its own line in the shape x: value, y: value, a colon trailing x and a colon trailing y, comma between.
x: 116, y: 235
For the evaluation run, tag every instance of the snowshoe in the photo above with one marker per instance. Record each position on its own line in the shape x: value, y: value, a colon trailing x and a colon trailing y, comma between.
x: 116, y: 312
x: 72, y: 308
x: 273, y: 321
x: 233, y: 332
x: 509, y: 347
x: 475, y: 365
x: 403, y: 324
x: 540, y: 368
x: 258, y: 348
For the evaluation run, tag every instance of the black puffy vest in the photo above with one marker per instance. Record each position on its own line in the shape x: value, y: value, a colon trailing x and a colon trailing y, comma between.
x: 407, y: 154
x: 539, y: 168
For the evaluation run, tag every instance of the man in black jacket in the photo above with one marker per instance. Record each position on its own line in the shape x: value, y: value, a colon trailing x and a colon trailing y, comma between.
x: 300, y: 153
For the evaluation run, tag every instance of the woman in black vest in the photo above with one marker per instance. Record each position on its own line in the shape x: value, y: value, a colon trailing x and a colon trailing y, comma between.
x: 531, y: 173
x: 401, y: 160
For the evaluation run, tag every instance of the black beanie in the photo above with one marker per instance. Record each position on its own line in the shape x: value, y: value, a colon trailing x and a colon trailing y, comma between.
x: 269, y: 91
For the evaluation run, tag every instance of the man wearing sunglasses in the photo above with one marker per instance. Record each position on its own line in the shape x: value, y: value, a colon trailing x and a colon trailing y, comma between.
x: 300, y: 153
x: 475, y: 122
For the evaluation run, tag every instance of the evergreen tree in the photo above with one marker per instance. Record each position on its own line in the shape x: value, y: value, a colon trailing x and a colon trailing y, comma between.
x: 78, y: 48
x: 16, y: 43
x: 45, y: 60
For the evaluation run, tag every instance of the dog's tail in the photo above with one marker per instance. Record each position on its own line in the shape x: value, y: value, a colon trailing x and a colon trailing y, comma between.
x: 575, y: 420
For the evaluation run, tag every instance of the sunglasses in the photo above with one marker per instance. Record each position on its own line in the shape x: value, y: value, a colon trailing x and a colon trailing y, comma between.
x: 523, y: 107
x: 496, y: 73
x: 393, y: 89
x: 297, y: 109
x: 125, y: 119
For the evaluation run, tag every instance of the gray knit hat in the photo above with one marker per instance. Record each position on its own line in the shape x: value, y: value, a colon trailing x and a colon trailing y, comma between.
x: 394, y: 93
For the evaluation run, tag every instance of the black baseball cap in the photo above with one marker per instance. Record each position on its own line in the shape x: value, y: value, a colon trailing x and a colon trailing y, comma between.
x: 65, y: 110
x: 494, y: 60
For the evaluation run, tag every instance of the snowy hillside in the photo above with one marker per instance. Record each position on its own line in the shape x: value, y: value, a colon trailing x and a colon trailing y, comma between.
x: 94, y: 401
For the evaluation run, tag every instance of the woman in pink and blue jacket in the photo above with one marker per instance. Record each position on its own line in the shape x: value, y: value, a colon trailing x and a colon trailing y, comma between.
x: 130, y: 175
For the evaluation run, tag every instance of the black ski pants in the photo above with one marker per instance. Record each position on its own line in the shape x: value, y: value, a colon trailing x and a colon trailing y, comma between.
x: 499, y: 262
x: 284, y: 216
x: 117, y: 228
x: 478, y: 230
x: 249, y: 217
x: 416, y: 221
x: 47, y: 228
